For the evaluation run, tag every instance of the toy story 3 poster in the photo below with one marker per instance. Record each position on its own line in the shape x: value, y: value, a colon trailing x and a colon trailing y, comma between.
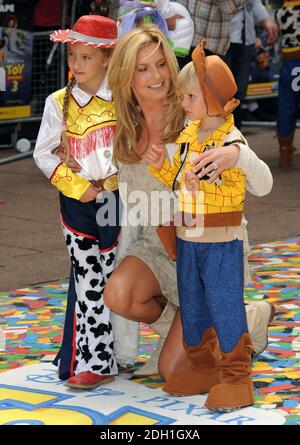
x: 263, y: 81
x: 16, y: 40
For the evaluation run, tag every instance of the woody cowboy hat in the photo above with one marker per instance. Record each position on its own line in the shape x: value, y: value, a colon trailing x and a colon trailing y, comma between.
x: 92, y: 30
x: 216, y: 82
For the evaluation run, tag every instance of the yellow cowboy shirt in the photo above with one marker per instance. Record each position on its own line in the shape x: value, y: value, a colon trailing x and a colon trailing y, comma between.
x: 90, y: 127
x: 220, y: 204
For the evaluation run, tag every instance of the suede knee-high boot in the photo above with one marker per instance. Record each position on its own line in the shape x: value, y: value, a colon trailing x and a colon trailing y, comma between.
x: 201, y: 371
x: 286, y: 150
x: 162, y: 326
x: 236, y: 388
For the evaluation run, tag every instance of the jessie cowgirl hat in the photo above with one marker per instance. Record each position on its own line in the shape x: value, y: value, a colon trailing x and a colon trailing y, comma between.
x: 93, y: 30
x: 216, y: 82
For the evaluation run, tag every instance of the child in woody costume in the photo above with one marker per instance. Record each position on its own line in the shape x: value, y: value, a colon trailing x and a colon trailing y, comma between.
x: 82, y: 118
x: 209, y: 242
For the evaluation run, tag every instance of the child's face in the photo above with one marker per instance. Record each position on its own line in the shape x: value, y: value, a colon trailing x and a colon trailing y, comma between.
x: 193, y: 103
x: 87, y: 64
x: 151, y: 78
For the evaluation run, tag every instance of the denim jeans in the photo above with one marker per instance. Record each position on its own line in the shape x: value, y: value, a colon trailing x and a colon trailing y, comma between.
x: 288, y: 97
x: 210, y: 288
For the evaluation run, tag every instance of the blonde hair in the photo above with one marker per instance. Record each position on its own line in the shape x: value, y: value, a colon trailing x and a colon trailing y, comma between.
x: 120, y: 73
x: 187, y: 78
x: 107, y: 52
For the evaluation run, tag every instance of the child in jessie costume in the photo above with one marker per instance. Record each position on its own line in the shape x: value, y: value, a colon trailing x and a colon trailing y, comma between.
x: 82, y: 117
x: 209, y: 242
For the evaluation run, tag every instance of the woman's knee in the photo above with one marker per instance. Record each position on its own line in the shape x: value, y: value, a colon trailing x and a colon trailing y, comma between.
x: 117, y: 294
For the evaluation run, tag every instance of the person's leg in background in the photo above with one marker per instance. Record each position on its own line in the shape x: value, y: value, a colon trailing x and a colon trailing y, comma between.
x: 288, y: 108
x: 239, y: 58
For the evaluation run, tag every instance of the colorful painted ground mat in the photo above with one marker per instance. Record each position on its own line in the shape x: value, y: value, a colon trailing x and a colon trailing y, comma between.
x: 31, y: 323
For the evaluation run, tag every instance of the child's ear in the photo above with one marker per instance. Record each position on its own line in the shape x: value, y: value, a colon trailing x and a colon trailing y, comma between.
x: 106, y: 60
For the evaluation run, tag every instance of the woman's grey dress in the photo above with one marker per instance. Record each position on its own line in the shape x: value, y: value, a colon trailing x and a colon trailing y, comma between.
x: 147, y: 246
x: 136, y: 185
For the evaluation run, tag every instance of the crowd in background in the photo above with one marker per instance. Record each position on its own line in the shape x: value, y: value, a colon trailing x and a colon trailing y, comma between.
x: 230, y: 28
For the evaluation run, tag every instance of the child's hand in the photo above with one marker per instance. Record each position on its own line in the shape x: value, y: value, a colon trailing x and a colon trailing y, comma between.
x: 191, y: 181
x: 90, y: 194
x: 71, y: 163
x: 155, y: 156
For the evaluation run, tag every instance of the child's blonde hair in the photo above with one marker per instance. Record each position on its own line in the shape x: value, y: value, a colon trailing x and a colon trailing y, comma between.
x: 121, y: 69
x: 187, y: 78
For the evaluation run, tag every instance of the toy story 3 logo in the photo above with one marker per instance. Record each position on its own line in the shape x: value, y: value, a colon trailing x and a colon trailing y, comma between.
x: 33, y: 395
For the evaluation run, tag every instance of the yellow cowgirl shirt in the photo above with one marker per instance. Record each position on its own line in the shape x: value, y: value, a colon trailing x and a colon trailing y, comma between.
x: 90, y: 129
x: 221, y: 204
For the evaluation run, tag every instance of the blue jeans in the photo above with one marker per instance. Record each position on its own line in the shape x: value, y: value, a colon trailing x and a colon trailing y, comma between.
x: 210, y: 287
x: 288, y: 98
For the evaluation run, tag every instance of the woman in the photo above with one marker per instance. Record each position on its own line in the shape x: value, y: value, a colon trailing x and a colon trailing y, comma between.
x: 143, y: 286
x: 142, y: 75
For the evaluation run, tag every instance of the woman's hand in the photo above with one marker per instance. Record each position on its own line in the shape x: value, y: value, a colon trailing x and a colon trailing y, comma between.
x: 71, y: 163
x: 171, y: 21
x: 90, y: 194
x: 216, y: 161
x: 155, y: 156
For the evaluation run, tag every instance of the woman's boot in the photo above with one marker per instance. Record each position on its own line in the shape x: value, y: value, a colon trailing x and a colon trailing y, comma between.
x: 286, y: 151
x: 259, y: 315
x: 201, y: 372
x: 236, y: 389
x: 162, y: 326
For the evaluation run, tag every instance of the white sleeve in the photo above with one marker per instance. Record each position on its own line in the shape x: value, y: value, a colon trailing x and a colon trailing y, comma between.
x: 166, y: 8
x: 49, y: 138
x: 258, y: 174
x: 259, y: 177
x: 260, y: 12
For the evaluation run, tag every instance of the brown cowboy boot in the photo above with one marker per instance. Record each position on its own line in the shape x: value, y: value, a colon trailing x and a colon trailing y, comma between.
x: 201, y: 372
x: 236, y: 389
x: 286, y: 151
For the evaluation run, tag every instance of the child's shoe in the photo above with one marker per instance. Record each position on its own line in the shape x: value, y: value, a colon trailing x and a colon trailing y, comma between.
x: 236, y: 389
x: 88, y: 380
x: 201, y: 372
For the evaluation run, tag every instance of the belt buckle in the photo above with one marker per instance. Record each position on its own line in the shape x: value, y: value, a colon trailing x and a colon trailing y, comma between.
x: 110, y: 184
